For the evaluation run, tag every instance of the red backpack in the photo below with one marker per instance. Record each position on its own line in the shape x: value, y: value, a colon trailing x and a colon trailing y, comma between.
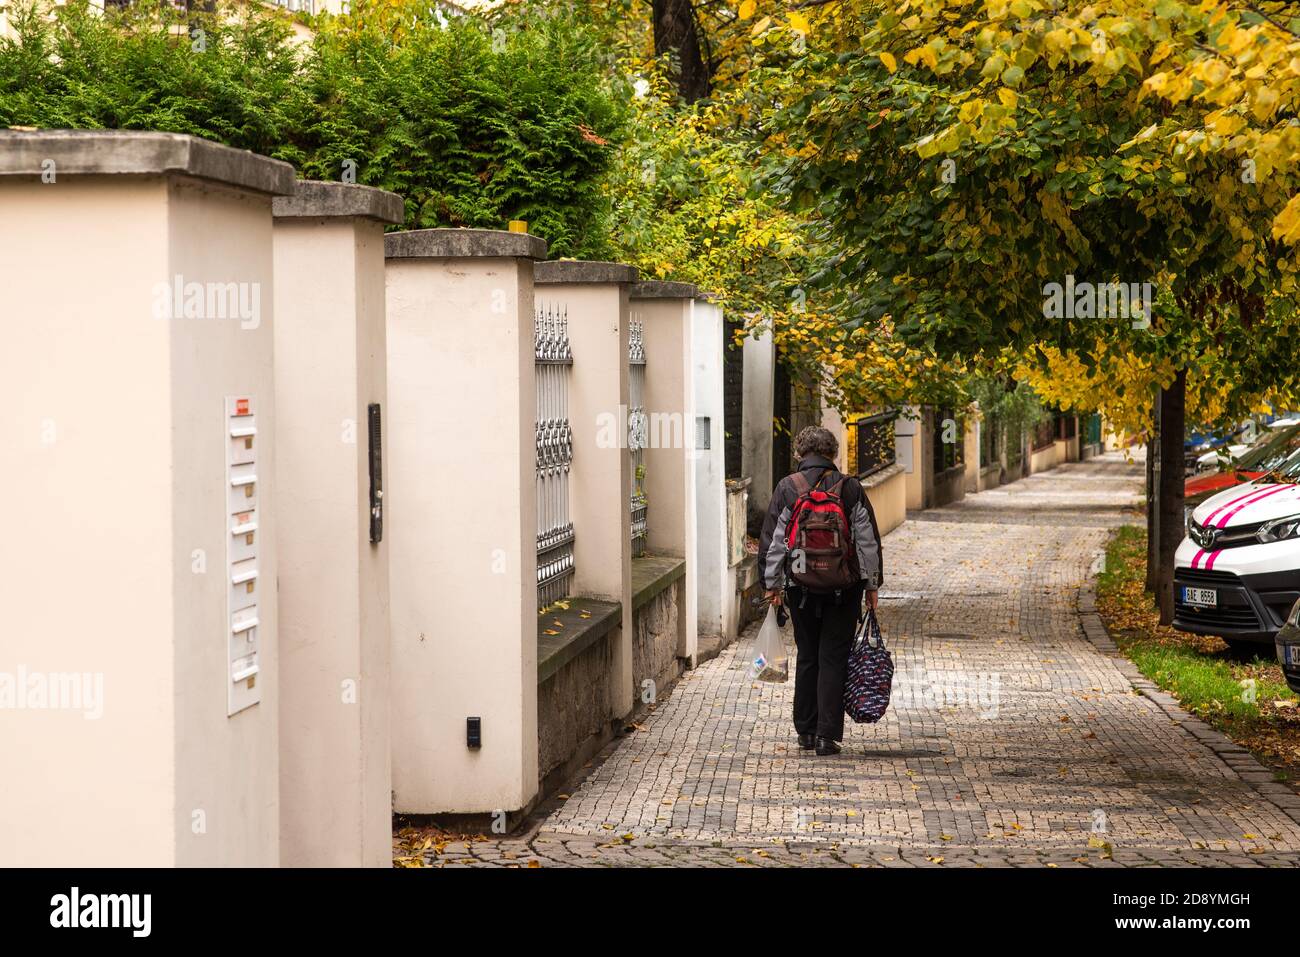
x: 821, y: 554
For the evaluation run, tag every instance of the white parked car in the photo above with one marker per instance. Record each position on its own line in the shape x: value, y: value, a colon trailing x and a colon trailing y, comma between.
x: 1237, y: 573
x: 1209, y: 461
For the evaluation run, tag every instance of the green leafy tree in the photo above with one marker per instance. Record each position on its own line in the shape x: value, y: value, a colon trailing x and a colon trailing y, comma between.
x: 967, y: 155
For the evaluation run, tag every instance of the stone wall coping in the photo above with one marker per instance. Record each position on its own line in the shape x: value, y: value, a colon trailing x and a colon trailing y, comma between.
x: 651, y: 574
x: 882, y: 476
x: 575, y: 634
x: 660, y: 289
x: 140, y: 153
x: 462, y: 244
x: 584, y: 271
x: 315, y: 199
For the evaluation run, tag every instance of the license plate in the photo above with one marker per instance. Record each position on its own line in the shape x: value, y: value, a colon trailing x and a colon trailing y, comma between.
x: 1292, y: 655
x: 1205, y: 597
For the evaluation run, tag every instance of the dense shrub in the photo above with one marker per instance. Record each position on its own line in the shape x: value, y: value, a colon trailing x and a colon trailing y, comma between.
x: 139, y: 69
x: 472, y: 128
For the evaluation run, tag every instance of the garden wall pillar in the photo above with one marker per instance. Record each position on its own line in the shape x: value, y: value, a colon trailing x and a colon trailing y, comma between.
x: 666, y: 311
x: 908, y: 452
x: 715, y: 565
x: 834, y: 423
x: 460, y: 519
x: 971, y: 453
x: 140, y: 647
x: 330, y: 372
x: 594, y: 298
x: 756, y: 445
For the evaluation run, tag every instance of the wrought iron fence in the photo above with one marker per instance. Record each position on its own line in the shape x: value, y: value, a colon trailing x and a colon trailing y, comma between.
x: 989, y: 429
x: 871, y: 440
x: 554, y: 367
x: 1015, y: 450
x: 638, y: 432
x: 1044, y: 434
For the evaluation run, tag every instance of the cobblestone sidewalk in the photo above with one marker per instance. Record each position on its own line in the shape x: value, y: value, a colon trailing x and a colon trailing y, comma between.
x: 1016, y: 737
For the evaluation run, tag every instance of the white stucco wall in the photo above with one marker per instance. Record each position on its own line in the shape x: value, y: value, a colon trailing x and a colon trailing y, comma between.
x: 669, y: 463
x: 462, y: 539
x: 759, y: 356
x: 119, y: 438
x: 600, y: 476
x: 226, y: 767
x: 335, y: 769
x: 713, y: 579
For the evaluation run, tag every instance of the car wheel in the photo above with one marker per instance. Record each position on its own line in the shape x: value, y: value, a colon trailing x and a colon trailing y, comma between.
x: 1244, y: 650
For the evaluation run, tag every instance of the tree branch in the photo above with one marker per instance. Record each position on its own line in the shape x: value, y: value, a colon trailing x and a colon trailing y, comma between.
x: 1254, y: 8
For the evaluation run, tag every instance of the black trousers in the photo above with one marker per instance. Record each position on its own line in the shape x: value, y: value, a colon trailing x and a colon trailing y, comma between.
x: 823, y: 633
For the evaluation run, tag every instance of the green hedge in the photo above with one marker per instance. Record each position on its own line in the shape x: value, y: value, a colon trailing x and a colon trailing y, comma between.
x: 473, y: 129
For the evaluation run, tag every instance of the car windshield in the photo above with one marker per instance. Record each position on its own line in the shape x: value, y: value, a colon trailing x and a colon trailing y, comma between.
x: 1286, y: 471
x: 1272, y: 452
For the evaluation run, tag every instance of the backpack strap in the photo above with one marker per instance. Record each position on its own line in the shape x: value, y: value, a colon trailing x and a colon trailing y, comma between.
x: 801, y: 484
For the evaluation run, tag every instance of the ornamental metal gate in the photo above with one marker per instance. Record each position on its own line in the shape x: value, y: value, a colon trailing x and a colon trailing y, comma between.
x: 1094, y: 429
x: 554, y: 368
x: 872, y: 443
x: 638, y: 432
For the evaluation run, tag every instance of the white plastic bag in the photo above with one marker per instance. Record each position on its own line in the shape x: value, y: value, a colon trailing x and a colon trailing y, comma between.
x: 771, y: 661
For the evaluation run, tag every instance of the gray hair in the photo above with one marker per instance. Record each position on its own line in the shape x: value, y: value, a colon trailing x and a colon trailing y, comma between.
x: 814, y: 440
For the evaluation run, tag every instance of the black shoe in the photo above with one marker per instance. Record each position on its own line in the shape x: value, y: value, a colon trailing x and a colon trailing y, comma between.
x: 826, y: 746
x: 807, y: 742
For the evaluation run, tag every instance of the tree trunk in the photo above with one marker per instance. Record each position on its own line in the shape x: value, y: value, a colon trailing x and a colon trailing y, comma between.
x: 1153, y: 452
x: 1170, y: 514
x: 675, y: 33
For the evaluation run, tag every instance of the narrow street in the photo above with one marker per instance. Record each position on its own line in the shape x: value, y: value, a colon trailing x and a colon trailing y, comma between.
x: 1015, y: 737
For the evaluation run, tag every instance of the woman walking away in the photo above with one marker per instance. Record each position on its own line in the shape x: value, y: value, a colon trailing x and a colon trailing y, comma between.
x: 820, y: 555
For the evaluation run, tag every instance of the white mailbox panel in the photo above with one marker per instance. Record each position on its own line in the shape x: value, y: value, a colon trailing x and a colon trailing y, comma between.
x: 243, y: 538
x: 241, y: 449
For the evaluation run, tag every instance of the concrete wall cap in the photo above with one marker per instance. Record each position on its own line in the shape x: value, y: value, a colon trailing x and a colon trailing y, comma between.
x: 462, y: 244
x: 658, y: 289
x: 140, y: 153
x: 314, y: 199
x: 579, y: 270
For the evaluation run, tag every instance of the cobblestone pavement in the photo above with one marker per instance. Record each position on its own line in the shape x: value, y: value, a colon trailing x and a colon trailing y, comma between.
x: 1017, y: 736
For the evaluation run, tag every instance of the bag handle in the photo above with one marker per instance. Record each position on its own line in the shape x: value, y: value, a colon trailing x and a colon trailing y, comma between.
x: 869, y: 629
